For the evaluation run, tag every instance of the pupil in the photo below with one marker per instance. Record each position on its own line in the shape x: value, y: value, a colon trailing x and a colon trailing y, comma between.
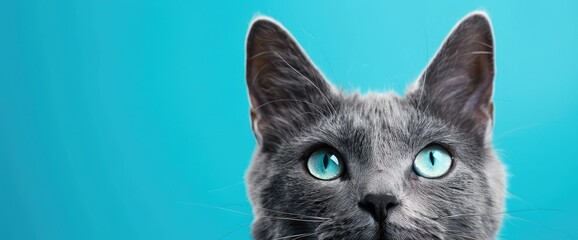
x: 431, y: 158
x: 325, y: 160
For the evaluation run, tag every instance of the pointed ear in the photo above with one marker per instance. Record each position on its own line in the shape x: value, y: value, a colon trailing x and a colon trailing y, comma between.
x: 458, y: 83
x: 286, y: 90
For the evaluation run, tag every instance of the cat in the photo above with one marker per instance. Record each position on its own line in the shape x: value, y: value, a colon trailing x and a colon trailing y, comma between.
x: 336, y: 165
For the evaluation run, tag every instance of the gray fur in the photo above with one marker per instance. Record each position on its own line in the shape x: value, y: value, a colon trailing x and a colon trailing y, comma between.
x: 294, y: 110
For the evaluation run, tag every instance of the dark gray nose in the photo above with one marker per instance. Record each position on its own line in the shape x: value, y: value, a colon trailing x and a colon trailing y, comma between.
x: 378, y: 205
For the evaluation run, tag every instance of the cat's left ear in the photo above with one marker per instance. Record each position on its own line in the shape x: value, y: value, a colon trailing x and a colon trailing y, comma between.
x: 286, y: 90
x: 458, y: 83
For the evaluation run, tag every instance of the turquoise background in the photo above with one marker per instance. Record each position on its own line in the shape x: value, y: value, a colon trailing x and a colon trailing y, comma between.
x: 126, y: 119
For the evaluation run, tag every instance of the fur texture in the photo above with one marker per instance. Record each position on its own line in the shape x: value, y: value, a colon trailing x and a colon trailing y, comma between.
x: 295, y: 111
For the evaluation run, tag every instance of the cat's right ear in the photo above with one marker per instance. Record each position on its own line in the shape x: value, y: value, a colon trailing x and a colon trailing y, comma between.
x: 285, y: 88
x: 458, y: 83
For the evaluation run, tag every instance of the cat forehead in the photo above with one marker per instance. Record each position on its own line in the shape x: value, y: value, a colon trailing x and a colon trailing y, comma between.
x: 385, y: 116
x: 377, y: 107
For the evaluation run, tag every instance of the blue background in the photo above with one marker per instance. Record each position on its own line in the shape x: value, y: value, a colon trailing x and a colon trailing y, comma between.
x: 129, y: 119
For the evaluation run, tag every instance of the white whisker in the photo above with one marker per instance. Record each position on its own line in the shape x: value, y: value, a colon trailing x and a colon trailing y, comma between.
x: 301, y: 235
x: 309, y: 80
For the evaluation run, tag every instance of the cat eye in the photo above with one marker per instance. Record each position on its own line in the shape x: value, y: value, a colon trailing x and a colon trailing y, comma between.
x: 432, y: 162
x: 324, y: 164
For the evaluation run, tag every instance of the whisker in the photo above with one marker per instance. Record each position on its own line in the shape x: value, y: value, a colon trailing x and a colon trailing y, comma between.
x: 294, y: 219
x: 287, y: 213
x: 514, y: 130
x: 249, y: 214
x: 330, y: 67
x: 567, y: 235
x: 226, y: 187
x: 294, y: 214
x: 301, y: 235
x: 254, y: 80
x: 309, y: 80
x: 216, y: 207
x: 234, y: 230
x: 485, y: 44
x: 481, y: 52
x: 288, y: 100
x: 497, y: 213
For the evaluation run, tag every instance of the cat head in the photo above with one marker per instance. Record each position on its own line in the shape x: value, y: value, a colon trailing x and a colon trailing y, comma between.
x: 336, y: 165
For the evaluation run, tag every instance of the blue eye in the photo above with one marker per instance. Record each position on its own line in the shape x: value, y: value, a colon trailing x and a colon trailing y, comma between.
x: 325, y: 165
x: 432, y: 162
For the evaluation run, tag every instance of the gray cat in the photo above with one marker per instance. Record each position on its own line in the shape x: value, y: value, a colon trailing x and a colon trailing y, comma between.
x: 335, y: 165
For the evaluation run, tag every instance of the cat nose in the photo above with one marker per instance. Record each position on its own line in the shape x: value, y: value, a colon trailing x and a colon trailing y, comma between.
x: 378, y: 205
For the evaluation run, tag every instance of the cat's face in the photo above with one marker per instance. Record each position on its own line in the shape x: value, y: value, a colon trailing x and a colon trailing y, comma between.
x: 332, y: 165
